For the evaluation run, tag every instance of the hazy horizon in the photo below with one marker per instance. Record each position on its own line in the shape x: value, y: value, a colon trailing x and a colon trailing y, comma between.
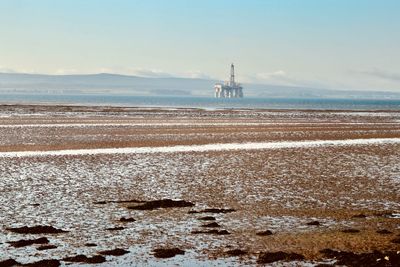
x: 341, y: 44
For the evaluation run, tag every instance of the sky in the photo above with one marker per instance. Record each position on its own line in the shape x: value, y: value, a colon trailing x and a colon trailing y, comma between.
x: 336, y: 44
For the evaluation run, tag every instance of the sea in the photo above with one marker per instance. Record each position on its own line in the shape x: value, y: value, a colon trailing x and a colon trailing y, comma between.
x: 202, y: 102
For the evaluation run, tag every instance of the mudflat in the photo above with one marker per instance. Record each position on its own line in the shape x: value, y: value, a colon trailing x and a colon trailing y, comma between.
x: 199, y: 187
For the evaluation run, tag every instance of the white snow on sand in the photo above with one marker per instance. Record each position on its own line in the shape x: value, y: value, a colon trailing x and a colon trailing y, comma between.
x: 202, y: 148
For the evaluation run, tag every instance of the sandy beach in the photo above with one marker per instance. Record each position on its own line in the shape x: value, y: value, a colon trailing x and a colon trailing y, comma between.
x: 216, y: 187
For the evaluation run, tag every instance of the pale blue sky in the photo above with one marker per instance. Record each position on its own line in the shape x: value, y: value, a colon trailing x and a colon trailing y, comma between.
x: 344, y: 44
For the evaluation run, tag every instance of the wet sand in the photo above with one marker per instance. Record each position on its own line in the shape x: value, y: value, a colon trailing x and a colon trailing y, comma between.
x: 298, y: 200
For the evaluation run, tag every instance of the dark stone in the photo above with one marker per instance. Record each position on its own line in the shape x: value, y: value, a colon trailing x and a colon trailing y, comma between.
x: 236, y: 252
x: 123, y: 219
x: 115, y: 229
x: 264, y: 233
x: 374, y: 258
x: 114, y: 252
x: 269, y: 257
x: 28, y: 242
x: 44, y: 263
x: 84, y: 259
x: 396, y: 240
x: 213, y: 232
x: 384, y: 232
x: 46, y: 247
x: 350, y: 231
x: 100, y: 202
x: 213, y: 210
x: 39, y: 229
x: 128, y: 201
x: 163, y: 203
x: 90, y: 245
x: 207, y: 218
x: 316, y: 223
x: 360, y: 216
x: 213, y: 224
x: 167, y: 252
x: 8, y: 263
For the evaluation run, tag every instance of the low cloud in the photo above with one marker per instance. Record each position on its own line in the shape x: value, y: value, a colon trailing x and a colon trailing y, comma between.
x: 382, y: 74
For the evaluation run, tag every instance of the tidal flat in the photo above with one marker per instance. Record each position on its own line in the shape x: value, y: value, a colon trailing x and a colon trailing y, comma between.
x: 120, y: 186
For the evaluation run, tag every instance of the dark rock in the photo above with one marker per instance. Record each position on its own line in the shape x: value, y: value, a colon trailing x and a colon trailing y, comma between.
x: 163, y: 203
x: 114, y: 252
x: 207, y: 218
x: 396, y: 240
x: 46, y: 247
x: 44, y: 263
x: 84, y: 259
x: 90, y: 245
x: 123, y: 219
x: 100, y: 202
x: 236, y: 252
x: 269, y: 257
x: 28, y: 242
x: 115, y: 229
x: 8, y: 263
x: 316, y: 223
x: 213, y: 224
x: 374, y: 258
x: 213, y: 232
x: 350, y: 231
x: 40, y: 229
x: 264, y: 233
x: 360, y: 216
x: 167, y: 252
x: 384, y: 232
x: 128, y: 201
x: 213, y: 210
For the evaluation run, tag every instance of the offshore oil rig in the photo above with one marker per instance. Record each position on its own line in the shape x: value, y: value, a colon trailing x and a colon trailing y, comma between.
x: 230, y: 89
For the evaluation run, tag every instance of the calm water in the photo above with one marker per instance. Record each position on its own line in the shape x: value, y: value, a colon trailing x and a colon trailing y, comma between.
x: 202, y: 102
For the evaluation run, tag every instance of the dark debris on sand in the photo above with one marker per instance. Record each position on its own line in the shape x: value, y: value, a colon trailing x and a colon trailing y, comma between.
x: 207, y: 218
x: 375, y: 258
x: 163, y: 203
x: 213, y: 224
x: 46, y: 247
x: 396, y: 240
x: 265, y: 233
x: 8, y: 263
x: 212, y: 210
x: 212, y: 232
x: 119, y: 228
x: 114, y: 252
x: 384, y: 232
x: 84, y: 259
x: 28, y: 242
x: 360, y: 216
x: 39, y: 229
x: 167, y: 252
x: 269, y: 257
x: 236, y: 252
x: 315, y: 223
x: 90, y: 245
x: 350, y: 231
x: 123, y: 219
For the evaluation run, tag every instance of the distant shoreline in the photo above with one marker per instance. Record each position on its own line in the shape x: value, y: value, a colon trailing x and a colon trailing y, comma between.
x: 206, y: 103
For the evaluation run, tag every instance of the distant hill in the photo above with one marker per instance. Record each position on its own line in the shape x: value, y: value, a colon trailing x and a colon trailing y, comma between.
x: 105, y: 83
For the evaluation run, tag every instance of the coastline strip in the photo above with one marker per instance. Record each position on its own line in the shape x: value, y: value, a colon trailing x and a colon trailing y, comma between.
x: 202, y: 148
x: 83, y: 125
